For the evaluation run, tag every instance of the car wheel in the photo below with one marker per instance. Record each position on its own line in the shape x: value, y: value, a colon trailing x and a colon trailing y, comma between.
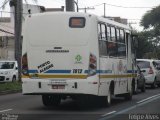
x: 143, y: 89
x: 154, y: 84
x: 13, y: 79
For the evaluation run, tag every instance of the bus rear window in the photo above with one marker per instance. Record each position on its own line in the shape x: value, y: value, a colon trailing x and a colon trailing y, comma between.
x: 77, y: 22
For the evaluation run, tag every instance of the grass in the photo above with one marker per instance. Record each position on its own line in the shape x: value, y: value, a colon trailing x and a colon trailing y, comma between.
x: 10, y: 86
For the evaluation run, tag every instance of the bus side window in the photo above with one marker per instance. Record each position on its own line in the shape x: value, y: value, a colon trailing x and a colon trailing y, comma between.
x: 99, y: 31
x: 121, y: 43
x: 103, y: 31
x: 112, y: 49
x: 121, y: 50
x: 113, y: 34
x: 108, y: 33
x: 118, y: 35
x: 102, y: 39
x: 122, y: 36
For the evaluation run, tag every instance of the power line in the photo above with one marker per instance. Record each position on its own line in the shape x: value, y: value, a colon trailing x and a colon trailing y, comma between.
x: 126, y: 7
x: 97, y: 5
x: 121, y: 6
x: 6, y: 26
x: 5, y: 2
x: 80, y: 8
x: 86, y: 8
x: 10, y: 12
x: 6, y: 31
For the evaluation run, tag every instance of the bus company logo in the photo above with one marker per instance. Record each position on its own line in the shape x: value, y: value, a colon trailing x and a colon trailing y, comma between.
x: 78, y: 59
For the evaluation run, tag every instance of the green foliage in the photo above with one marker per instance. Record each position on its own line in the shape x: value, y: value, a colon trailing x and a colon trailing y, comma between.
x: 10, y: 86
x: 144, y: 45
x: 150, y: 38
x: 151, y: 18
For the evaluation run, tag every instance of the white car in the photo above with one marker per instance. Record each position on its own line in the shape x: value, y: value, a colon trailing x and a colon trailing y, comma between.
x: 151, y: 71
x: 8, y: 71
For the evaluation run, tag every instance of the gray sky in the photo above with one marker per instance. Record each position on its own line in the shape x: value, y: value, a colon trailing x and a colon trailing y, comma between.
x: 129, y: 13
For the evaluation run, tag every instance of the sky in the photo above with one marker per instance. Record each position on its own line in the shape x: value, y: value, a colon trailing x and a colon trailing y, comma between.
x: 132, y: 14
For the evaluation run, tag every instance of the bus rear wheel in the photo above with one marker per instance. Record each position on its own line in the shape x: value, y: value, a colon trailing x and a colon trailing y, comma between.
x: 109, y: 97
x: 51, y: 100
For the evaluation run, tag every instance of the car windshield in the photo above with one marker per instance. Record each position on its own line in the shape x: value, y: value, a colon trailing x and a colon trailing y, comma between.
x: 6, y: 65
x: 143, y: 64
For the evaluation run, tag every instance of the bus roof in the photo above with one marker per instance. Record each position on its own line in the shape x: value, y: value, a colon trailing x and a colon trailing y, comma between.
x: 105, y: 20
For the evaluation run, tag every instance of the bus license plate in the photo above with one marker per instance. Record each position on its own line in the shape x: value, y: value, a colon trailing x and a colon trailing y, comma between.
x: 58, y: 86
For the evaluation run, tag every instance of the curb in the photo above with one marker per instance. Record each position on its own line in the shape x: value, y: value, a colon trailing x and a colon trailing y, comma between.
x: 9, y: 92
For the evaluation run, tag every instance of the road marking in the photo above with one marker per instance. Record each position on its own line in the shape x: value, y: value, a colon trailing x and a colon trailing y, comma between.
x: 148, y: 98
x: 5, y: 110
x: 131, y: 108
x: 108, y: 113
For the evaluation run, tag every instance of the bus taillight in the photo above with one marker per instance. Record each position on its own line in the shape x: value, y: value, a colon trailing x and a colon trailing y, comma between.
x: 25, y: 65
x: 92, y: 65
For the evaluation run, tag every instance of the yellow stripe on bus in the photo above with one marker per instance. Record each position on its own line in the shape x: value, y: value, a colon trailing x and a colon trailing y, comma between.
x: 57, y: 76
x: 118, y: 76
x: 78, y: 76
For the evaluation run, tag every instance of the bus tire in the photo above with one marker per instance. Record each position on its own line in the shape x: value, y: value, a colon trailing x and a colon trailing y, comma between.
x: 51, y: 100
x: 109, y: 98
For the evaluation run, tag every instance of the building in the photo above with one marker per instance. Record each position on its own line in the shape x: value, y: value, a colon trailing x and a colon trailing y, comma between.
x: 119, y: 19
x: 6, y: 38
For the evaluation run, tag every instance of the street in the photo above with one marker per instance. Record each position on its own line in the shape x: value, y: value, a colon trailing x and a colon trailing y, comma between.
x: 31, y: 107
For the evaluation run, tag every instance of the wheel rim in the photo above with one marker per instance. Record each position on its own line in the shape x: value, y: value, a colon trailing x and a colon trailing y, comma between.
x: 109, y: 97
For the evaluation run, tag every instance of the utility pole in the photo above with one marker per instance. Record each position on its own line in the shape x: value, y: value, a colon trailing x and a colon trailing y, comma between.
x: 17, y: 4
x: 104, y: 10
x: 77, y: 5
x: 86, y: 8
x: 70, y: 5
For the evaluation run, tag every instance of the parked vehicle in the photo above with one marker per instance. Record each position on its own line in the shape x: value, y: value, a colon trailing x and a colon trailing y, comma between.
x: 151, y: 71
x: 8, y: 71
x: 140, y: 80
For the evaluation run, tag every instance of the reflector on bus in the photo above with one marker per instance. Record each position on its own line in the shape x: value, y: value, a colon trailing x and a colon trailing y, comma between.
x: 77, y: 22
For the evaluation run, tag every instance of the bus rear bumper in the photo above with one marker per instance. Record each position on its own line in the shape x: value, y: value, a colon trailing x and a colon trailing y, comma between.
x: 72, y: 86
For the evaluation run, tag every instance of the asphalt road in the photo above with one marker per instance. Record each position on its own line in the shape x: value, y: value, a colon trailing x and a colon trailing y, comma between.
x: 143, y: 105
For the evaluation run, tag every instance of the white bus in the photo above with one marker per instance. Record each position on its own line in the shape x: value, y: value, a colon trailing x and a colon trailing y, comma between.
x: 76, y: 55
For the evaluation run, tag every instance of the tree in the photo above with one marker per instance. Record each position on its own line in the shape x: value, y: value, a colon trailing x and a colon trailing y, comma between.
x: 151, y: 19
x: 151, y: 23
x: 144, y: 45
